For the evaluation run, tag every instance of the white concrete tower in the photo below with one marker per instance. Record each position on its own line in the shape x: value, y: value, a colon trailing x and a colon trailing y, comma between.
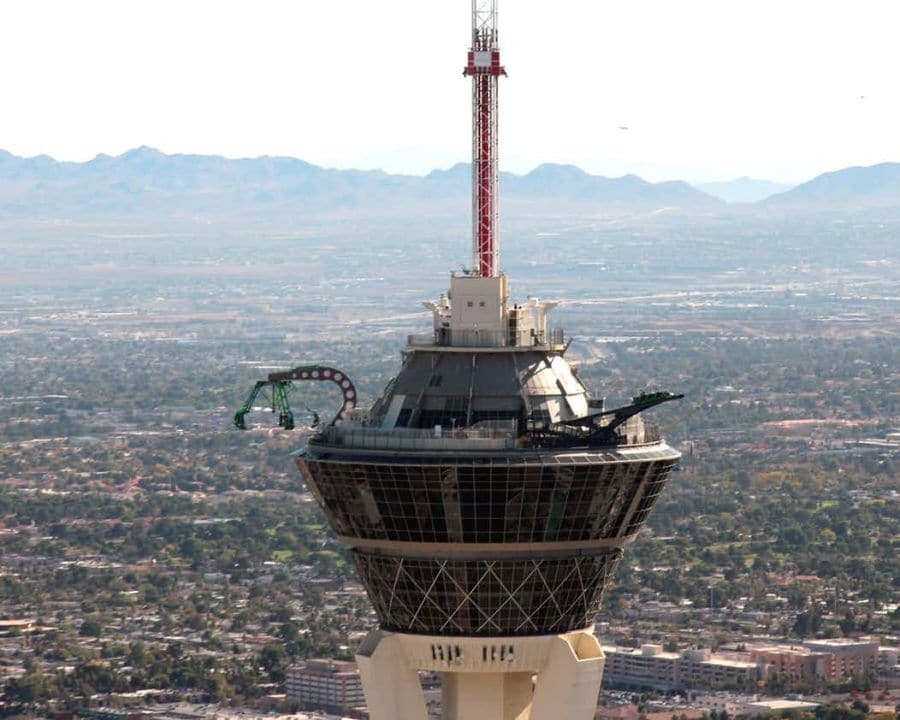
x: 485, y: 498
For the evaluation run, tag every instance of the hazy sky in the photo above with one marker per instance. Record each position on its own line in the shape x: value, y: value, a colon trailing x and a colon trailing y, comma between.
x: 709, y: 89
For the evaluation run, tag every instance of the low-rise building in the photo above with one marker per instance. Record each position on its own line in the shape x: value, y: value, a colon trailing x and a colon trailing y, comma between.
x: 827, y: 659
x: 790, y: 662
x: 888, y: 661
x: 331, y: 685
x: 777, y: 706
x: 650, y: 667
x: 17, y: 627
x: 848, y: 657
x: 632, y: 712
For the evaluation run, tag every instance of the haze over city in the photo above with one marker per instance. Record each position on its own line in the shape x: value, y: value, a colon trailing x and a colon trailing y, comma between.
x: 707, y: 90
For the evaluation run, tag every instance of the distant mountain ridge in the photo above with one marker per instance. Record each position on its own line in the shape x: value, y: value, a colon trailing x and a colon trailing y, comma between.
x: 743, y: 189
x: 853, y: 188
x: 146, y: 183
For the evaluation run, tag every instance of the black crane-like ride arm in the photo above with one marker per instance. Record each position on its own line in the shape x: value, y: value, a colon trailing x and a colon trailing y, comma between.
x: 589, y: 430
x: 279, y: 382
x: 639, y: 403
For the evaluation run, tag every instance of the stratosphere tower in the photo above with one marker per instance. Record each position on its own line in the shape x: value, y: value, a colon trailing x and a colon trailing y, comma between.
x: 485, y: 498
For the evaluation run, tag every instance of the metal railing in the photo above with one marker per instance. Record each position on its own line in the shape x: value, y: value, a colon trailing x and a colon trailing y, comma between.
x: 564, y: 436
x: 488, y: 338
x: 489, y: 435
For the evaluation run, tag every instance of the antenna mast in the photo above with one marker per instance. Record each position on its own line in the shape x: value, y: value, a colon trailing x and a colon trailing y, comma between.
x: 485, y: 70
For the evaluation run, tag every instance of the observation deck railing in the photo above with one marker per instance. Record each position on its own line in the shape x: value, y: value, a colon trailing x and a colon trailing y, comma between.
x: 496, y: 437
x: 554, y: 339
x: 565, y: 436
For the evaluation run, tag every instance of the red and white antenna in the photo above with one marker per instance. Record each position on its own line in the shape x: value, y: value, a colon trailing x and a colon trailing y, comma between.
x: 485, y: 69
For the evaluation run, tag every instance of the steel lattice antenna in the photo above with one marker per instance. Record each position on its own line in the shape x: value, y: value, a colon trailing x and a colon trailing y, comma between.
x: 485, y: 70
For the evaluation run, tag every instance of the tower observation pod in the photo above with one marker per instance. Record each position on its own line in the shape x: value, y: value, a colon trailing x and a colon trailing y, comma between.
x: 486, y: 498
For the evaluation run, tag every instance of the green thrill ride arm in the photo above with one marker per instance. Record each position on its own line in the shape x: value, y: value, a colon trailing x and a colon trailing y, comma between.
x: 280, y: 382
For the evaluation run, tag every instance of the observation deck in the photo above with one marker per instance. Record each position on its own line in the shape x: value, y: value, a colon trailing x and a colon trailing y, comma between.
x: 485, y: 493
x: 478, y: 531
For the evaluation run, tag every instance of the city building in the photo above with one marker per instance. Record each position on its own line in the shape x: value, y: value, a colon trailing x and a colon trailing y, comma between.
x: 826, y: 659
x: 705, y: 669
x: 650, y: 667
x: 847, y: 657
x: 791, y: 663
x: 730, y: 703
x: 330, y: 685
x: 632, y: 712
x: 778, y: 706
x: 888, y: 661
x: 191, y: 711
x: 17, y: 627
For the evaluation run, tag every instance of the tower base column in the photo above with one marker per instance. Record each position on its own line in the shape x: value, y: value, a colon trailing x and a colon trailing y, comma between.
x: 545, y: 677
x: 390, y: 683
x: 498, y: 696
x: 569, y: 684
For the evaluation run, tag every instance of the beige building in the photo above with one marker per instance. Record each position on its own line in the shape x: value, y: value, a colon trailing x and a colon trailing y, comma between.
x: 652, y: 667
x: 846, y: 657
x: 777, y: 706
x: 631, y: 712
x: 790, y: 662
x: 330, y: 685
x: 828, y: 659
x: 17, y: 627
x: 648, y: 667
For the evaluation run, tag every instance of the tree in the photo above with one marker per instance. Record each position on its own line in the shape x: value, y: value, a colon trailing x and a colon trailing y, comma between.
x: 848, y: 623
x: 861, y: 705
x: 137, y: 653
x: 274, y: 660
x: 91, y: 627
x: 808, y: 623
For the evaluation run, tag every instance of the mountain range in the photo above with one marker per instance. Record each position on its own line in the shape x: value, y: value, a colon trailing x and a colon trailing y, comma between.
x: 743, y: 189
x: 146, y: 183
x: 853, y: 188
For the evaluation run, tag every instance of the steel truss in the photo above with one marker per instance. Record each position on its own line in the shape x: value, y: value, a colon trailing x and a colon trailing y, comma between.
x: 527, y: 596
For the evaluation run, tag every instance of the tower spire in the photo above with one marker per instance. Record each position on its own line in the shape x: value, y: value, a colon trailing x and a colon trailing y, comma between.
x: 485, y: 70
